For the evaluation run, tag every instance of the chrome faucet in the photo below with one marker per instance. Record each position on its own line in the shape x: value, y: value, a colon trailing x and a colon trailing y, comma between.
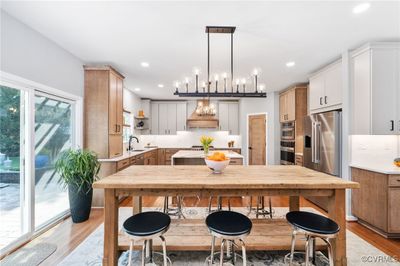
x: 130, y: 142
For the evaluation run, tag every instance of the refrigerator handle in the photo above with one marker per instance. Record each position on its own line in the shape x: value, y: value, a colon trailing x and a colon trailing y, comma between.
x: 317, y: 152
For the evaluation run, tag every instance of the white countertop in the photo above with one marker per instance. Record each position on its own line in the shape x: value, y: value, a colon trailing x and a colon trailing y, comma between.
x: 200, y: 154
x: 127, y: 155
x: 388, y: 169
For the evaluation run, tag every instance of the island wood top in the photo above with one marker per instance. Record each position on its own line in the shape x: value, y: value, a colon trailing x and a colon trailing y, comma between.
x: 233, y: 177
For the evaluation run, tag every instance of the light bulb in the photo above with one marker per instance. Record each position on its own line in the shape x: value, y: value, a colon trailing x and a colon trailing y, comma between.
x: 216, y: 77
x: 177, y: 84
x: 243, y: 81
x: 224, y: 75
x: 186, y: 80
x: 196, y: 71
x: 255, y: 72
x: 262, y: 87
x: 203, y: 84
x: 237, y: 81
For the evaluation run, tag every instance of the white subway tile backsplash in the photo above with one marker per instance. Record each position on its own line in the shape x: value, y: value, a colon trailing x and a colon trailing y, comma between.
x: 374, y: 149
x: 185, y: 139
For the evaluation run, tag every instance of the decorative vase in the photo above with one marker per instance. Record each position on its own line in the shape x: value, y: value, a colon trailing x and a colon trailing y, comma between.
x: 206, y: 149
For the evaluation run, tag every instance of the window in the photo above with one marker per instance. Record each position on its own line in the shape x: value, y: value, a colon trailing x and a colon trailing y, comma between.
x: 127, y: 128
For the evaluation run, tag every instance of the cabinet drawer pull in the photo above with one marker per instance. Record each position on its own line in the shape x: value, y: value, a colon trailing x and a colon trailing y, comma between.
x: 320, y: 100
x: 391, y: 125
x: 326, y: 99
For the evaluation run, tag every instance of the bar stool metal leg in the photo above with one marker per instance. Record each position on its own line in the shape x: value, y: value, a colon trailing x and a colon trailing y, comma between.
x: 330, y: 251
x: 130, y: 253
x: 292, y: 247
x: 307, y: 258
x: 221, y: 258
x: 212, y: 250
x: 244, y: 257
x: 164, y: 247
x: 144, y: 252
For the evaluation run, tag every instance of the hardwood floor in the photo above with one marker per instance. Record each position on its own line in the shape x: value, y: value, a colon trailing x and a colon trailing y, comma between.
x: 68, y: 235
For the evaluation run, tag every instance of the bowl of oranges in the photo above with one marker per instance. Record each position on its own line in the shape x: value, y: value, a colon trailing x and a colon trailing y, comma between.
x: 217, y: 162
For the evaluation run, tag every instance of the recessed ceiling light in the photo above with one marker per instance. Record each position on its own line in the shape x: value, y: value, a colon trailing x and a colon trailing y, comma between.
x: 160, y: 85
x: 145, y: 64
x: 137, y: 89
x: 361, y: 8
x: 290, y: 64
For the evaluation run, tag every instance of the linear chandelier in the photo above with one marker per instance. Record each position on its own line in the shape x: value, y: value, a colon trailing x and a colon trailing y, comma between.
x: 210, y: 88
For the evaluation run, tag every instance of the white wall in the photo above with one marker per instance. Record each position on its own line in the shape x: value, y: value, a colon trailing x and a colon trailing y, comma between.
x: 270, y: 105
x: 30, y: 55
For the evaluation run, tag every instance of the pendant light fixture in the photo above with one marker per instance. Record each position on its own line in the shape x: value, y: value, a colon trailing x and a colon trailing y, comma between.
x: 224, y: 79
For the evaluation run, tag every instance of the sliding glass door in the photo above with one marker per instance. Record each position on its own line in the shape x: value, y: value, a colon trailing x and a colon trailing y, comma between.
x: 53, y: 134
x: 13, y: 200
x: 35, y: 127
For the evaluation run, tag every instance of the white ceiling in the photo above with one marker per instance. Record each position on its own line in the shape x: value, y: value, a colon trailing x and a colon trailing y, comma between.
x: 170, y: 36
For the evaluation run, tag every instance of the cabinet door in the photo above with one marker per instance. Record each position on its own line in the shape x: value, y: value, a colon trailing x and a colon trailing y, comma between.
x: 291, y: 105
x: 112, y: 105
x: 233, y: 119
x: 119, y: 105
x: 316, y: 91
x: 172, y: 118
x: 163, y: 118
x: 394, y: 210
x: 361, y: 115
x: 223, y: 116
x: 181, y: 116
x: 384, y: 91
x: 154, y: 119
x: 282, y: 107
x: 115, y: 145
x: 333, y: 85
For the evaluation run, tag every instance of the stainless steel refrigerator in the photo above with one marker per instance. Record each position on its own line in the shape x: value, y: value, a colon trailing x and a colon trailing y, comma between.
x: 322, y: 146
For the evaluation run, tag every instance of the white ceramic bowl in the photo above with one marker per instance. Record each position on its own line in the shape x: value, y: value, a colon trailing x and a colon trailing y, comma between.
x: 217, y: 166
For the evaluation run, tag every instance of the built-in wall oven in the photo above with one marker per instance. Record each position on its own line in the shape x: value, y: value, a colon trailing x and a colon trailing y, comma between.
x: 288, y: 143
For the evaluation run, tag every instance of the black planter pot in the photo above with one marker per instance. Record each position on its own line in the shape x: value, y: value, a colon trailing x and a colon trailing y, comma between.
x: 80, y: 202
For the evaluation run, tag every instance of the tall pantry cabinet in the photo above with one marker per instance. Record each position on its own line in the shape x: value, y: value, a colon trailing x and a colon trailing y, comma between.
x: 103, y: 114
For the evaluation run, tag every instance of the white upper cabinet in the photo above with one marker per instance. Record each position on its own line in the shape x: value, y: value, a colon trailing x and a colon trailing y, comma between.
x: 181, y: 115
x: 228, y: 116
x: 325, y: 91
x: 223, y: 116
x: 168, y: 117
x: 376, y: 89
x: 154, y: 118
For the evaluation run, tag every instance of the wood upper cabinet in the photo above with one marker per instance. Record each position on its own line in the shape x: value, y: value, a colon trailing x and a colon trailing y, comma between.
x: 292, y: 103
x: 376, y: 202
x: 103, y: 111
x: 376, y: 90
x: 325, y: 89
x: 287, y: 106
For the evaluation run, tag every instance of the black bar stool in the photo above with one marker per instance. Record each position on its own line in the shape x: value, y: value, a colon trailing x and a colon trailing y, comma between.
x: 313, y: 226
x: 228, y: 226
x: 146, y: 226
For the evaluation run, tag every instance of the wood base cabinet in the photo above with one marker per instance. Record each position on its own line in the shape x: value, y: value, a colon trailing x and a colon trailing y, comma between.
x: 377, y: 203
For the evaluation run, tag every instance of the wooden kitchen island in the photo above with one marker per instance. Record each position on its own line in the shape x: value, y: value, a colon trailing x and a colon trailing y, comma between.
x: 293, y: 181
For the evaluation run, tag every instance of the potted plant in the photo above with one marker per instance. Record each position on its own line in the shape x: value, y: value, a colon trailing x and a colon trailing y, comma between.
x: 78, y: 170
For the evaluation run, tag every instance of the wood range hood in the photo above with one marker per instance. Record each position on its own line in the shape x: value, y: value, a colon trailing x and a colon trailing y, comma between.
x: 202, y: 121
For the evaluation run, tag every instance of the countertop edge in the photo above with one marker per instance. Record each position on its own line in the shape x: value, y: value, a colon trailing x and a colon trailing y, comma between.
x: 377, y: 169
